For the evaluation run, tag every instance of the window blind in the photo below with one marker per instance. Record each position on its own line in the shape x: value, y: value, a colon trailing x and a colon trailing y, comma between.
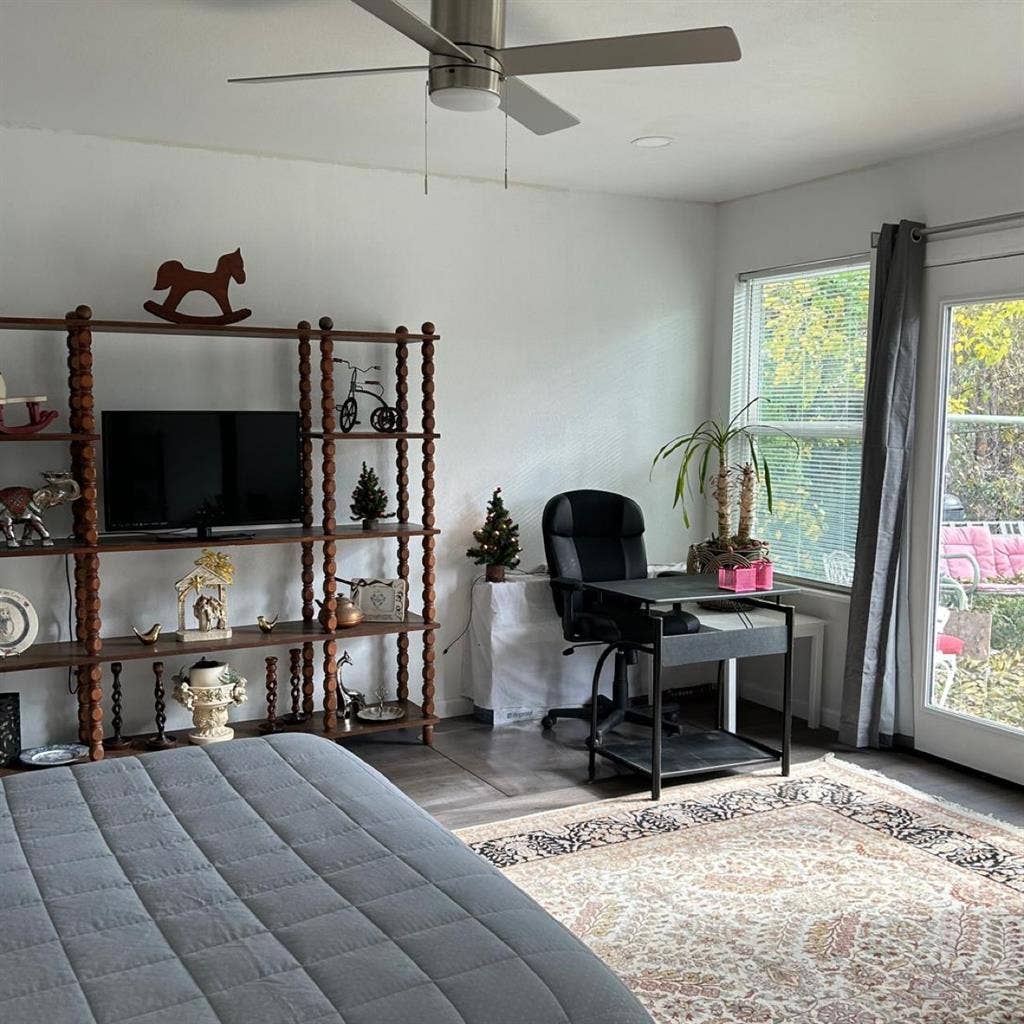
x: 800, y: 348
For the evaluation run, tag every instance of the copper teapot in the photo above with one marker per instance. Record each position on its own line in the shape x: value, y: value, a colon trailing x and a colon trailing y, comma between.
x: 346, y: 613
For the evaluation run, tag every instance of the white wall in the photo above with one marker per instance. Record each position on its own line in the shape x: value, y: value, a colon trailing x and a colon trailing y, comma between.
x: 835, y: 217
x: 576, y: 338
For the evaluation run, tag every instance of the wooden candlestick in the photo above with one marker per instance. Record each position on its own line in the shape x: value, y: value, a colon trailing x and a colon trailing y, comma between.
x: 296, y: 716
x: 160, y: 740
x: 117, y: 741
x: 271, y: 724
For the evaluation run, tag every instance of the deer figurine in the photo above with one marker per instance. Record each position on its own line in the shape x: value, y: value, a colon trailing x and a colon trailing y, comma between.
x: 25, y: 505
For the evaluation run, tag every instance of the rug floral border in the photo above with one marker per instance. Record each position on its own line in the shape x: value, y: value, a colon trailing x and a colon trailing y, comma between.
x: 902, y: 824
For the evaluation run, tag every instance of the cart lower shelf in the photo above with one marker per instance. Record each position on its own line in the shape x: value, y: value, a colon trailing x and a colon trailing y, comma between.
x: 689, y: 753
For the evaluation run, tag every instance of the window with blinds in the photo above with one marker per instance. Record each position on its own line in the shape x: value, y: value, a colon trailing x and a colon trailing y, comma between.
x: 800, y: 348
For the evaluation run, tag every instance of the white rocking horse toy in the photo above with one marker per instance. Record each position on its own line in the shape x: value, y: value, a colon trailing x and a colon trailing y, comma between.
x: 38, y: 418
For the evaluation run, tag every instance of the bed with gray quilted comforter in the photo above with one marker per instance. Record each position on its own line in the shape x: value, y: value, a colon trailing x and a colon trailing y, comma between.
x: 267, y: 881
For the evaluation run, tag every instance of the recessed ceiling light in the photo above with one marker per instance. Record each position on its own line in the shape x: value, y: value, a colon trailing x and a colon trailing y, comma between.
x: 653, y: 141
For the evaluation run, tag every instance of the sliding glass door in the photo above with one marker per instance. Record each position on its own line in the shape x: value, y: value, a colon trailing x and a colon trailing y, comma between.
x: 967, y: 518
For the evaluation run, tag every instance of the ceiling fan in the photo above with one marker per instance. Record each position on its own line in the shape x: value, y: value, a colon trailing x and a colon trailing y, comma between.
x: 470, y: 68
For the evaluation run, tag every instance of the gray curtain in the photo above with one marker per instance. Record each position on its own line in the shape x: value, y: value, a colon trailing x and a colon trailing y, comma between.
x: 877, y: 671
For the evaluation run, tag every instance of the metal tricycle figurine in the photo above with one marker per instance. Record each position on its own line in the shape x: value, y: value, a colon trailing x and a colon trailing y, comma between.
x: 383, y: 419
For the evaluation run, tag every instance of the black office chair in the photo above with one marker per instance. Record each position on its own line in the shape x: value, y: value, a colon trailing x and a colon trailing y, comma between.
x: 590, y: 536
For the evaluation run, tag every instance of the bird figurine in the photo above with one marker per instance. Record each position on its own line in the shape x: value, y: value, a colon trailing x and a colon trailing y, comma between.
x: 151, y: 635
x: 266, y: 625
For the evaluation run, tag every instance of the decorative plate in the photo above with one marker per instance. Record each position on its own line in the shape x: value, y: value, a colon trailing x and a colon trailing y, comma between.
x: 19, y: 623
x: 381, y: 713
x: 53, y: 754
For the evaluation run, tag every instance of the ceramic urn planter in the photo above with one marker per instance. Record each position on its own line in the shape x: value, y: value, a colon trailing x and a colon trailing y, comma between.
x: 208, y: 689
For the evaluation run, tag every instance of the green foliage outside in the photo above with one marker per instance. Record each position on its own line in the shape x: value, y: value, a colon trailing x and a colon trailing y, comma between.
x: 985, y: 470
x: 985, y: 464
x: 1007, y: 619
x: 991, y: 689
x: 811, y: 367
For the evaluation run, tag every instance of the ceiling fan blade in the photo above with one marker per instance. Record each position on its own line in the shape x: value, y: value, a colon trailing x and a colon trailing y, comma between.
x: 656, y: 49
x: 532, y: 110
x: 350, y: 73
x: 411, y: 25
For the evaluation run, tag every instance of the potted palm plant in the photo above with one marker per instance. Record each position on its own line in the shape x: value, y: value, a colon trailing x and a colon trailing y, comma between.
x: 707, y: 468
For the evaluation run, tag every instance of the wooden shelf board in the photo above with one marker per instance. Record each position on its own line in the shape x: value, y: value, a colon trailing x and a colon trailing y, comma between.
x: 368, y: 435
x: 44, y: 436
x: 127, y: 648
x: 11, y: 323
x: 346, y: 730
x: 115, y: 543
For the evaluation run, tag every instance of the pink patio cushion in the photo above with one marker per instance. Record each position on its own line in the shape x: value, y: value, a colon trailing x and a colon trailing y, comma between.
x: 971, y: 540
x: 949, y: 644
x: 1009, y: 554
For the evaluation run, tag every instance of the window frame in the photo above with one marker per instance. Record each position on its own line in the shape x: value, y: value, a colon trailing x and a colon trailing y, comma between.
x: 743, y: 348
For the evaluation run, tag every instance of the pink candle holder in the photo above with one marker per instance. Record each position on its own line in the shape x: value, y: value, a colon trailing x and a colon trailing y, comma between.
x: 765, y: 575
x: 738, y: 578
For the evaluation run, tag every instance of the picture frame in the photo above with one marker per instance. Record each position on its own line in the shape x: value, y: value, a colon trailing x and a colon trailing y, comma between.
x: 381, y: 600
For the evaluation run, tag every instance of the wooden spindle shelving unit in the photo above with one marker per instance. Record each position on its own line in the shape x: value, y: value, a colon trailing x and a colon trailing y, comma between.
x: 90, y: 651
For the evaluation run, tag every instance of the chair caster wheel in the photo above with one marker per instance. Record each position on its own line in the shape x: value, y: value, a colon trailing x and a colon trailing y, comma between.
x: 547, y: 722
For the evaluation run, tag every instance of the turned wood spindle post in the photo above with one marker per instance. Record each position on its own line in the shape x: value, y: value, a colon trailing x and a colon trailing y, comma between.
x: 402, y: 479
x: 295, y: 672
x: 308, y: 683
x: 330, y: 622
x: 429, y: 597
x: 117, y: 741
x: 306, y: 428
x: 270, y: 725
x: 160, y: 740
x: 82, y: 418
x: 74, y: 426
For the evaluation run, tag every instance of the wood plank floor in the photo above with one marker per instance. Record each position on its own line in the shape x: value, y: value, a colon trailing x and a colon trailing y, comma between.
x: 476, y: 774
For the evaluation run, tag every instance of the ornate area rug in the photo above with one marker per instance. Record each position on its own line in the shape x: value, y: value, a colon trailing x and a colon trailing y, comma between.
x: 833, y: 897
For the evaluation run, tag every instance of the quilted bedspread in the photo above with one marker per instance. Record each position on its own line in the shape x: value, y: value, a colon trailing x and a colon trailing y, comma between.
x: 267, y: 881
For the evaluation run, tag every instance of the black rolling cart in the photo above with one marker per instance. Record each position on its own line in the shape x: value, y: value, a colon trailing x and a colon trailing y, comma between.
x: 669, y: 754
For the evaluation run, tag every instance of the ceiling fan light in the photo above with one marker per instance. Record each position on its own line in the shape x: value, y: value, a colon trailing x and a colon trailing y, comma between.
x: 465, y: 98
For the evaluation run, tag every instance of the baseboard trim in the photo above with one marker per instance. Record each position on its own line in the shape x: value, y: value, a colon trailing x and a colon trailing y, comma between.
x: 769, y: 696
x: 454, y: 708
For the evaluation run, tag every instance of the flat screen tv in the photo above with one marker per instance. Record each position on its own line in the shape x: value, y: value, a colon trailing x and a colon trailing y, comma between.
x: 200, y: 470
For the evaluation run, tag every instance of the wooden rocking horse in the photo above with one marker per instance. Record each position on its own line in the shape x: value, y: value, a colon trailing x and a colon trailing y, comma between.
x: 180, y: 280
x: 38, y: 418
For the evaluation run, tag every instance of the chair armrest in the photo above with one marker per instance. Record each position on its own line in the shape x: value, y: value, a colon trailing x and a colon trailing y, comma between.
x: 564, y: 583
x: 568, y: 587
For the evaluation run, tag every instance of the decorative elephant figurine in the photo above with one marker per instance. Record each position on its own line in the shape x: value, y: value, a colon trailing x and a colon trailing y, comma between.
x: 24, y: 505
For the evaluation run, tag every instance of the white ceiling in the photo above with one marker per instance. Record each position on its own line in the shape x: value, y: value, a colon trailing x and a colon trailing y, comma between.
x: 822, y: 87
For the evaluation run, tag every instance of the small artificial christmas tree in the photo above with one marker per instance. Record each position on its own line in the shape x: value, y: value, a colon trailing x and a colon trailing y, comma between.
x: 497, y: 540
x: 369, y: 501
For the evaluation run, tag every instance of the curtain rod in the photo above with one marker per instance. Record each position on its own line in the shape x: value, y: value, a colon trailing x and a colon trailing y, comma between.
x: 963, y: 225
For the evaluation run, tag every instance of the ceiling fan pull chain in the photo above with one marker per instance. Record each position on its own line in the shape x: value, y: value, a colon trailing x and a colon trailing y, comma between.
x: 426, y: 107
x: 506, y: 150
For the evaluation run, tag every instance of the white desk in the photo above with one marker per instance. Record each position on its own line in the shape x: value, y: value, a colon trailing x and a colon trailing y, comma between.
x: 513, y: 665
